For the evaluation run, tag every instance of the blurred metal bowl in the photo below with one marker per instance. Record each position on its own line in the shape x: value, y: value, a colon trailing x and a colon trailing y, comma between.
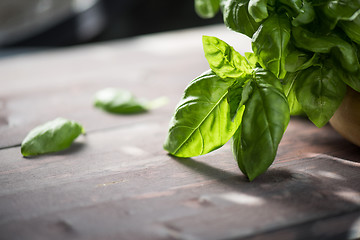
x: 24, y: 19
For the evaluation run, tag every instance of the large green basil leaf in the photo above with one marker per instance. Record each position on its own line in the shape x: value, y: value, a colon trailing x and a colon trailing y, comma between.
x: 343, y: 50
x: 289, y: 83
x: 224, y: 60
x: 320, y: 91
x: 207, y: 8
x: 352, y: 29
x: 336, y: 10
x: 258, y: 9
x: 305, y: 16
x: 270, y: 43
x: 237, y: 18
x: 202, y: 121
x: 265, y: 119
x: 53, y: 136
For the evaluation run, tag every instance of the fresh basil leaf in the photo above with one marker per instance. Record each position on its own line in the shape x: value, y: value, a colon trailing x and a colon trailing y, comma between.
x: 258, y: 10
x: 305, y: 16
x: 224, y: 60
x: 119, y: 101
x: 202, y: 121
x: 270, y: 43
x: 320, y: 91
x: 352, y: 29
x: 333, y: 44
x: 351, y: 79
x: 289, y: 83
x: 297, y: 60
x: 237, y: 18
x: 336, y: 10
x: 265, y: 119
x: 53, y: 136
x: 207, y: 8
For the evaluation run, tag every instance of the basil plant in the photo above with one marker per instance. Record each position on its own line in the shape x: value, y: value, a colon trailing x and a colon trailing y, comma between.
x: 305, y: 54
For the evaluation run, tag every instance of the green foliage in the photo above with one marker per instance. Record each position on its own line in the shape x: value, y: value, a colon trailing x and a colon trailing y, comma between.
x: 207, y: 8
x: 238, y: 19
x: 224, y: 60
x: 320, y: 92
x: 52, y: 136
x: 118, y: 101
x: 202, y: 120
x: 274, y: 30
x: 264, y: 122
x: 306, y: 53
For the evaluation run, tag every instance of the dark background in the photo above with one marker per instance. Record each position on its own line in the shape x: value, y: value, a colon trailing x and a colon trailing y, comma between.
x: 118, y: 19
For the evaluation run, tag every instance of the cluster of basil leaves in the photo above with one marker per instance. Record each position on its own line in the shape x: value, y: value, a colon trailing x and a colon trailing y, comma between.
x: 305, y: 54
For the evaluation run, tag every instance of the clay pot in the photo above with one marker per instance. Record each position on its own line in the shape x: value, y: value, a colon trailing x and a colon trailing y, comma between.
x: 346, y: 119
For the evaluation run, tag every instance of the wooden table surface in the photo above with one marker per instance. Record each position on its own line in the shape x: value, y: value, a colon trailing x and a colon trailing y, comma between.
x: 117, y: 182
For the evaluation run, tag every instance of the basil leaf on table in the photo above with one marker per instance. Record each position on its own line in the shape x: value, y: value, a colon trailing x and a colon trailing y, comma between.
x: 53, y: 136
x: 238, y: 19
x: 115, y: 100
x: 224, y: 60
x: 320, y: 92
x: 207, y: 8
x: 265, y: 119
x: 202, y: 121
x: 275, y: 29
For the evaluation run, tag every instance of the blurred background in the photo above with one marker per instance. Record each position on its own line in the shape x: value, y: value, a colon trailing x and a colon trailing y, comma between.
x: 44, y: 23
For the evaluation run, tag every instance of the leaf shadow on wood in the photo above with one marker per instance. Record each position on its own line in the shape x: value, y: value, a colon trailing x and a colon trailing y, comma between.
x: 230, y: 178
x: 75, y: 148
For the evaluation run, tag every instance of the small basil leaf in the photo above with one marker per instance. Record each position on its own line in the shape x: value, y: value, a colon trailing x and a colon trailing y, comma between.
x: 118, y: 101
x: 320, y: 91
x: 202, y: 121
x: 237, y: 18
x: 224, y: 60
x: 333, y: 44
x: 53, y: 136
x: 207, y: 8
x: 258, y: 9
x: 289, y: 91
x: 265, y: 119
x: 306, y: 15
x: 270, y: 43
x: 352, y: 29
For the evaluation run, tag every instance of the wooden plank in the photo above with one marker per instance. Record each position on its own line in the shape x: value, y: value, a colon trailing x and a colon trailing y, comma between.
x: 115, y: 186
x: 118, y: 183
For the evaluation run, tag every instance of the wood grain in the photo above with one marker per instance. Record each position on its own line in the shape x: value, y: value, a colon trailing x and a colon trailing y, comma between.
x: 117, y: 182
